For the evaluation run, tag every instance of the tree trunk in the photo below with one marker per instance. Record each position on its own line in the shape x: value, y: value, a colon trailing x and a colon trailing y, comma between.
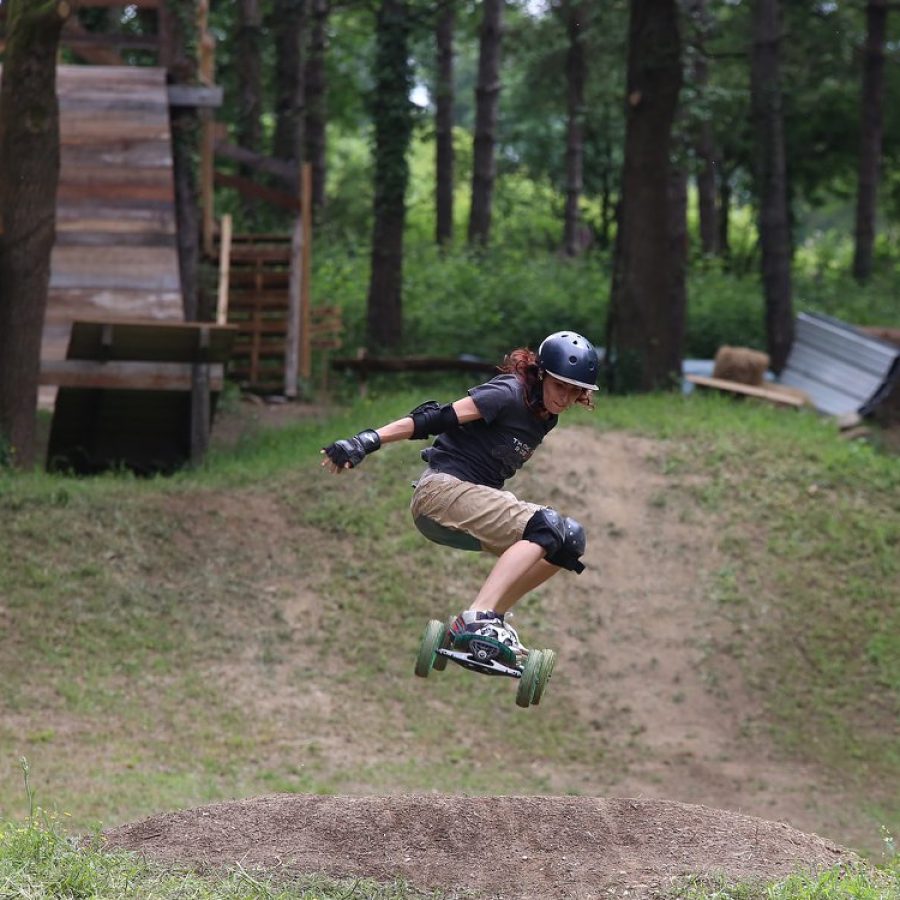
x: 176, y: 18
x: 678, y: 257
x: 703, y: 144
x: 29, y: 174
x: 771, y: 180
x: 724, y: 212
x: 393, y: 122
x: 575, y: 13
x: 289, y: 34
x: 487, y: 102
x: 646, y: 327
x: 316, y: 108
x: 871, y: 126
x: 248, y: 71
x: 181, y: 66
x: 443, y: 122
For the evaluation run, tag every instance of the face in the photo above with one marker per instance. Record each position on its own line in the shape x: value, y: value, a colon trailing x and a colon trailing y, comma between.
x: 559, y: 395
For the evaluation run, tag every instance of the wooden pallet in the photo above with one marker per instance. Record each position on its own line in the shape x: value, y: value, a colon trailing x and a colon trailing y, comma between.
x: 259, y: 306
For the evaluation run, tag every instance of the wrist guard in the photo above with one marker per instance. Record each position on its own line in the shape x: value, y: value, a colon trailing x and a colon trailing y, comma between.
x: 352, y: 451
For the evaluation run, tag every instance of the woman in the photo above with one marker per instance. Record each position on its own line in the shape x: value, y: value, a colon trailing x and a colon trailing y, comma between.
x: 481, y: 441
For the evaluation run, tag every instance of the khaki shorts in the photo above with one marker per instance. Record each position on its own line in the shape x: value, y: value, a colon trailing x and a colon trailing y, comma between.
x: 468, y: 516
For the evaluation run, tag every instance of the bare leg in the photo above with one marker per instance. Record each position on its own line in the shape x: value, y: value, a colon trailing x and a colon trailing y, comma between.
x: 520, y: 569
x: 540, y: 572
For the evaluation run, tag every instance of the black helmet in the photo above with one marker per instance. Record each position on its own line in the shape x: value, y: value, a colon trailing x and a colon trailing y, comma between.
x: 570, y: 357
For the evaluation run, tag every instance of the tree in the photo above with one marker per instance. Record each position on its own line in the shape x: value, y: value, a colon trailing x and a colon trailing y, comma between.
x: 29, y: 174
x: 175, y: 26
x: 871, y: 127
x: 771, y: 180
x: 393, y: 122
x: 248, y: 69
x: 645, y: 328
x: 289, y: 33
x: 574, y: 13
x: 704, y: 146
x: 443, y: 122
x: 316, y: 102
x: 487, y: 102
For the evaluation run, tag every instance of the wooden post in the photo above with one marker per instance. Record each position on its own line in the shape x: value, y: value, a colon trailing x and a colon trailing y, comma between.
x: 200, y: 400
x: 224, y: 270
x: 294, y: 322
x: 305, y: 301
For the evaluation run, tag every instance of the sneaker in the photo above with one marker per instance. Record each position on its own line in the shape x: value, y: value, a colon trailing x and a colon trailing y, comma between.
x: 473, y: 624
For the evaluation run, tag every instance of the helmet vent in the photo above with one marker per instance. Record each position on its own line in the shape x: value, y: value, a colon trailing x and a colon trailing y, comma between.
x: 573, y: 360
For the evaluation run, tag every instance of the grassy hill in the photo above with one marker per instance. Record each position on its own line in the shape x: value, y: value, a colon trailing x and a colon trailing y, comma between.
x: 250, y: 627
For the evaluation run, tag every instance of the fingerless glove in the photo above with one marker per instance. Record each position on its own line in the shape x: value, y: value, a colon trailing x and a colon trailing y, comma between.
x: 353, y: 450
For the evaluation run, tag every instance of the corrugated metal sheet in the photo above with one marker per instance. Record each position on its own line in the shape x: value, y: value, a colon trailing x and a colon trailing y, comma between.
x: 840, y: 368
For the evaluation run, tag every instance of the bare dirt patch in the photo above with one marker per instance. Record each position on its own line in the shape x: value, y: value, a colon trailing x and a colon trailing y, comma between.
x: 512, y: 847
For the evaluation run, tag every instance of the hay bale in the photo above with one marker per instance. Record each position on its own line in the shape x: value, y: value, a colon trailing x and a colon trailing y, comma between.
x: 741, y: 364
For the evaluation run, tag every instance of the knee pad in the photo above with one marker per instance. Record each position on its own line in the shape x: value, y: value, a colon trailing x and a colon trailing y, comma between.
x: 547, y: 529
x: 563, y: 538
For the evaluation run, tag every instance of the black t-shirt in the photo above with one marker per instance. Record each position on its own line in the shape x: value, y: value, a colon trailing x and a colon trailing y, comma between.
x: 493, y: 448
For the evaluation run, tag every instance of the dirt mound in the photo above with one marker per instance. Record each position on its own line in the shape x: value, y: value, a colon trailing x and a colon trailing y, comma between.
x: 511, y: 847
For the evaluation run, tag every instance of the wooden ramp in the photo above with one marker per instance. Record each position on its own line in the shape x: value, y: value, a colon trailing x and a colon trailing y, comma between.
x: 116, y: 248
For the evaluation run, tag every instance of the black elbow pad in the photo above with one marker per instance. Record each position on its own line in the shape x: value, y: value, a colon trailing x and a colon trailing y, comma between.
x: 431, y: 418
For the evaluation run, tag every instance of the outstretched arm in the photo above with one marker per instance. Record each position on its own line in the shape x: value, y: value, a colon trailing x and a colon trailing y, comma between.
x: 350, y: 452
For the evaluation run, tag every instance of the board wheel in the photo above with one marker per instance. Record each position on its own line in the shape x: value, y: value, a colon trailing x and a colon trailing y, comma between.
x: 528, y: 681
x: 546, y: 670
x: 431, y: 640
x: 440, y: 662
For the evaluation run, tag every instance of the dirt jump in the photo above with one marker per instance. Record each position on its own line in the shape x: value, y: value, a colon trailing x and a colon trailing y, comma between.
x: 511, y: 847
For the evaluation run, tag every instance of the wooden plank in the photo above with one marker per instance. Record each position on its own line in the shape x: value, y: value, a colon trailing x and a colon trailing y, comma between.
x: 118, y: 77
x: 776, y: 395
x: 115, y: 217
x: 126, y: 181
x: 154, y: 269
x: 266, y: 164
x: 249, y: 188
x: 65, y: 306
x: 118, y: 152
x: 293, y: 313
x: 85, y: 238
x: 150, y: 341
x: 224, y: 270
x: 198, y: 96
x: 132, y: 375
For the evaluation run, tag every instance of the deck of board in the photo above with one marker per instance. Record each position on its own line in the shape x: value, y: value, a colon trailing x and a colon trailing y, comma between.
x: 116, y: 249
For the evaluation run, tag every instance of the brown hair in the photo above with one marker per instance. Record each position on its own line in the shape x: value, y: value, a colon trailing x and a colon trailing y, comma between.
x: 523, y: 363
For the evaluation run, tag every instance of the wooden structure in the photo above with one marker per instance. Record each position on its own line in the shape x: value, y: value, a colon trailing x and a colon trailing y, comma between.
x: 264, y: 284
x: 116, y: 253
x: 126, y: 392
x: 116, y: 250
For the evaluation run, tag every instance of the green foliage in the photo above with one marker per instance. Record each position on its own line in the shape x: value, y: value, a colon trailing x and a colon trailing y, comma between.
x: 851, y: 882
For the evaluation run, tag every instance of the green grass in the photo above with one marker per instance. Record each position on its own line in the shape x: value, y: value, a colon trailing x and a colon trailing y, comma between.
x: 126, y: 604
x: 839, y: 883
